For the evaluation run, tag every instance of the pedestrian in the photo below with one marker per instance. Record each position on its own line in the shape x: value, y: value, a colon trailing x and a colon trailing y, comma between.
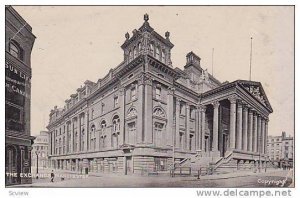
x: 52, y: 176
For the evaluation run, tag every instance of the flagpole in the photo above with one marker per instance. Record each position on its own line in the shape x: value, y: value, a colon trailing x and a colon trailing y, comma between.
x: 212, y: 62
x: 250, y: 60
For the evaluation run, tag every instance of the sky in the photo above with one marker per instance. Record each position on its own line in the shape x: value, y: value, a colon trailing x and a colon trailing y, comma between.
x: 78, y: 43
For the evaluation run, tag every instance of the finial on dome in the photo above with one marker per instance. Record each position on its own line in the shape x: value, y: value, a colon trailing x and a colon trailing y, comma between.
x: 127, y: 36
x: 146, y: 17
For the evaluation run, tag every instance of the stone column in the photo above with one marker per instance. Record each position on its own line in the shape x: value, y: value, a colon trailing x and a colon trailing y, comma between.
x: 250, y: 130
x: 177, y: 122
x: 170, y: 115
x: 216, y: 105
x: 266, y: 134
x: 203, y: 110
x: 148, y: 116
x: 259, y: 133
x: 86, y: 132
x: 53, y: 142
x: 187, y: 134
x: 263, y: 125
x: 245, y: 127
x: 140, y: 110
x: 255, y: 139
x: 232, y: 121
x: 122, y: 118
x: 239, y: 125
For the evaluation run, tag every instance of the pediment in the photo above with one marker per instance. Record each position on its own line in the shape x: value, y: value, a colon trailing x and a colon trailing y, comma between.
x: 256, y: 90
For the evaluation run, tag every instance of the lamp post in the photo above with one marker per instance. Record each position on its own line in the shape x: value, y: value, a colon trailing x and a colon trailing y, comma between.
x: 37, y: 163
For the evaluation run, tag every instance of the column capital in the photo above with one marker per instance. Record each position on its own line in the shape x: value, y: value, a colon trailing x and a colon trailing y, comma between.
x: 201, y: 108
x: 171, y: 90
x: 239, y: 103
x: 121, y: 90
x: 216, y: 104
x: 251, y: 110
x: 233, y: 99
x: 178, y: 101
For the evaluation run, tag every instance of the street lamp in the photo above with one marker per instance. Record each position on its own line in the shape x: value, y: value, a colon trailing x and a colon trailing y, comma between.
x: 37, y: 163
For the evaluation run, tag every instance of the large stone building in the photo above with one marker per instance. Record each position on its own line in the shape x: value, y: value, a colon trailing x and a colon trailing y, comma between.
x: 281, y: 150
x: 19, y: 41
x: 130, y: 120
x: 39, y: 152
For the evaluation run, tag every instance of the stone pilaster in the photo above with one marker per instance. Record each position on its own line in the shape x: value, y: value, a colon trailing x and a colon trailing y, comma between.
x: 232, y: 100
x: 170, y: 115
x: 177, y: 122
x: 239, y: 125
x: 79, y: 134
x: 122, y: 117
x: 148, y: 110
x: 86, y: 132
x: 216, y: 105
x: 140, y: 111
x: 187, y: 134
x: 266, y: 134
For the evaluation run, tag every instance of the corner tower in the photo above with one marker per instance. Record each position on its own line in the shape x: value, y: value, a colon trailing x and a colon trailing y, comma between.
x: 147, y: 42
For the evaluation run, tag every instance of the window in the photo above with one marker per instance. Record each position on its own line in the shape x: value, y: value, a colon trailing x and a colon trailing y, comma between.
x: 158, y: 137
x: 15, y: 50
x: 163, y: 56
x: 92, y: 114
x: 130, y: 56
x: 181, y: 140
x: 152, y: 49
x: 102, y: 108
x: 116, y: 124
x: 139, y: 48
x: 133, y: 93
x: 181, y: 109
x: 135, y: 53
x: 116, y: 101
x: 157, y: 52
x: 93, y: 138
x: 130, y: 138
x: 158, y: 93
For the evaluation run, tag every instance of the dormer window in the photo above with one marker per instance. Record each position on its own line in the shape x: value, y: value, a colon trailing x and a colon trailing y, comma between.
x: 163, y: 56
x: 157, y: 53
x: 152, y: 49
x: 135, y: 54
x: 130, y: 56
x: 15, y: 50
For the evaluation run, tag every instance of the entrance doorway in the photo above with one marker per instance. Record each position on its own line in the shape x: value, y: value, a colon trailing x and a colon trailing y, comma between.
x: 224, y: 144
x: 129, y: 165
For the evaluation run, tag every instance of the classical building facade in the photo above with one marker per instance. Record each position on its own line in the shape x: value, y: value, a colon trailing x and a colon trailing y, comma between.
x: 281, y: 150
x: 39, y: 152
x: 19, y: 41
x: 145, y: 114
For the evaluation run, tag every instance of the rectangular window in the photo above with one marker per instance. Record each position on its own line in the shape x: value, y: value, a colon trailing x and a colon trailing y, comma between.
x: 158, y: 93
x: 102, y: 108
x: 133, y: 93
x: 116, y: 101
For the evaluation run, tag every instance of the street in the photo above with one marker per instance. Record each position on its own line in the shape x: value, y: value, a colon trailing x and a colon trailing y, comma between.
x: 272, y: 178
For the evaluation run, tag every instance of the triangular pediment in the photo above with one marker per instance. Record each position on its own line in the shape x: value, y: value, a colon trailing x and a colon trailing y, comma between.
x: 256, y: 90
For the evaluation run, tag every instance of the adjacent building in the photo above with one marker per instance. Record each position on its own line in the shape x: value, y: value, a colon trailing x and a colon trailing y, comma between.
x: 146, y: 115
x: 19, y: 41
x: 39, y: 152
x: 281, y: 150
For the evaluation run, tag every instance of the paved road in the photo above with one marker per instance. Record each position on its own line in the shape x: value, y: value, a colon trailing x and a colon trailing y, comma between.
x: 225, y: 180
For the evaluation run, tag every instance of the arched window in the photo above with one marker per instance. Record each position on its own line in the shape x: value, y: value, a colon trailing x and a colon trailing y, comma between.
x: 163, y: 56
x: 130, y: 56
x: 93, y: 138
x: 135, y: 52
x: 152, y: 49
x: 157, y: 52
x: 116, y: 123
x: 139, y: 48
x: 102, y: 139
x: 15, y: 49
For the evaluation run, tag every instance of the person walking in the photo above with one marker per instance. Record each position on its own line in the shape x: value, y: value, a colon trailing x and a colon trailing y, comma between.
x: 52, y: 176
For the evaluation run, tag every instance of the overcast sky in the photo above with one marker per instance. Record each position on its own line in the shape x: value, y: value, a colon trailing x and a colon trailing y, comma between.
x: 78, y: 43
